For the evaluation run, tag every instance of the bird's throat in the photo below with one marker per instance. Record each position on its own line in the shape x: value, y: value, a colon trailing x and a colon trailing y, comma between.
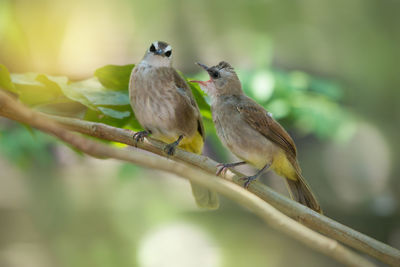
x: 156, y: 61
x: 207, y: 86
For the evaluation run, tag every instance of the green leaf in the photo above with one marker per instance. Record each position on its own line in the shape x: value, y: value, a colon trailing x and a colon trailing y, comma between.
x: 68, y: 108
x: 115, y: 77
x: 114, y: 120
x: 44, y: 93
x: 56, y: 95
x: 54, y: 83
x: 92, y: 93
x: 62, y: 106
x: 204, y: 107
x: 33, y: 92
x: 115, y: 113
x: 5, y: 80
x: 101, y: 100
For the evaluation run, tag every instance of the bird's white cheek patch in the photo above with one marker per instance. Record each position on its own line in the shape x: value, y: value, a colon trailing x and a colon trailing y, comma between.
x: 156, y: 61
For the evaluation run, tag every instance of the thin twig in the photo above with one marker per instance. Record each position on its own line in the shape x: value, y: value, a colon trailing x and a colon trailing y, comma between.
x: 306, y: 216
x: 15, y: 111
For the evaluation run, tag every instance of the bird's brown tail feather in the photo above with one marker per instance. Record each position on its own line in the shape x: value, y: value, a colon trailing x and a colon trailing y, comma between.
x: 204, y: 197
x: 301, y: 192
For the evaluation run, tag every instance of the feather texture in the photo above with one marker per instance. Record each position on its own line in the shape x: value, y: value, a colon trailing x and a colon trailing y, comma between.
x: 164, y: 105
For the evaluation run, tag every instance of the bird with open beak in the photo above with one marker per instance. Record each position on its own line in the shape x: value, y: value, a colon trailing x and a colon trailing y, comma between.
x: 249, y: 131
x: 164, y: 105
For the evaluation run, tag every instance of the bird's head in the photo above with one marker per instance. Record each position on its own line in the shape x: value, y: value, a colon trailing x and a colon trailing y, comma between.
x: 159, y: 54
x: 223, y: 80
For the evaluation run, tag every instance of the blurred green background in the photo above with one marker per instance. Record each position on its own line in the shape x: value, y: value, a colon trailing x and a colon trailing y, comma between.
x: 327, y: 70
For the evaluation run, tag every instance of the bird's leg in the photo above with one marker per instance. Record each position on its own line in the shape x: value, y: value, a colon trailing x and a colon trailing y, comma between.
x: 139, y: 136
x: 248, y: 179
x: 170, y: 148
x: 223, y: 167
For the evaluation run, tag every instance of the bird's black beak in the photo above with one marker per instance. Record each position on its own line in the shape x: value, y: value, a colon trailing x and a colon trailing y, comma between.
x: 158, y: 52
x: 203, y: 66
x: 213, y: 72
x: 209, y: 70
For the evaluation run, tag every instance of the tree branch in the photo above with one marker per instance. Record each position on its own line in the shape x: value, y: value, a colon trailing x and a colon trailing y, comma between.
x: 15, y: 111
x: 306, y: 216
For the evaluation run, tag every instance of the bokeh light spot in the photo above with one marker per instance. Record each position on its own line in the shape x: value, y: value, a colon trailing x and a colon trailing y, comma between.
x: 263, y: 85
x: 178, y: 245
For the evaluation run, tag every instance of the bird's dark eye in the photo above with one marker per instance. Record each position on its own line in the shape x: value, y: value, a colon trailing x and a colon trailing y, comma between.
x: 215, y: 74
x: 168, y: 53
x: 152, y: 48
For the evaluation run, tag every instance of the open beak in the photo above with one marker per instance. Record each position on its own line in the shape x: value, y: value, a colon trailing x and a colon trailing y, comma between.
x: 203, y: 66
x: 206, y: 69
x: 199, y: 82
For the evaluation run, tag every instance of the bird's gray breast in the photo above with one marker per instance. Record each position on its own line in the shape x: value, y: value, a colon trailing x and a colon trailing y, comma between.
x: 155, y: 101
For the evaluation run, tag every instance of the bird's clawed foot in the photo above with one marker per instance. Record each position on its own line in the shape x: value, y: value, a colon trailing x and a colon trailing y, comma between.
x: 248, y: 180
x: 170, y: 148
x: 139, y: 136
x: 223, y: 167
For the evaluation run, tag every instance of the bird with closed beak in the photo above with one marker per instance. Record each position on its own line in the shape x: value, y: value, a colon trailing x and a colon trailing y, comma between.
x: 165, y: 107
x: 250, y: 132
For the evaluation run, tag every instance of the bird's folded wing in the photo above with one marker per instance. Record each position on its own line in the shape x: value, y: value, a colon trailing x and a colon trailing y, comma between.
x: 259, y: 119
x: 184, y: 90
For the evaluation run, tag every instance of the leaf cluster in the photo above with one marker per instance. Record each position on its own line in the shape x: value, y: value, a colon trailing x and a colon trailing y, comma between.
x: 294, y: 98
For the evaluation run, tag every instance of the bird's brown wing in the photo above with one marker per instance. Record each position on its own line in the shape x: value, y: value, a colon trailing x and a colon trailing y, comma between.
x: 258, y: 118
x: 184, y: 90
x: 203, y: 196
